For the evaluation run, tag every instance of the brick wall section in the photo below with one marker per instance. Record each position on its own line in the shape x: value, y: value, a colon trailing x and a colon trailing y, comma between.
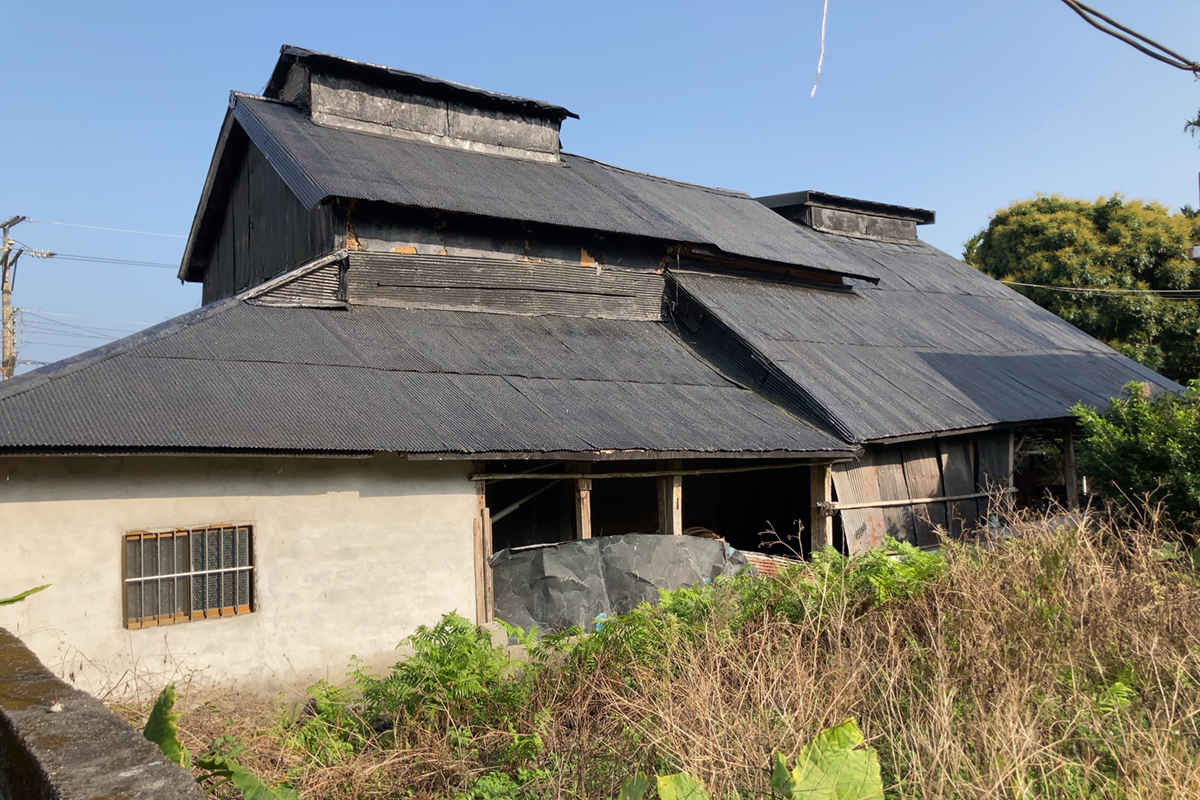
x: 82, y: 751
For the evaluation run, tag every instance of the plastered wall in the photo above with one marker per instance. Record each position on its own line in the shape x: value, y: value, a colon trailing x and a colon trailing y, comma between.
x: 351, y: 555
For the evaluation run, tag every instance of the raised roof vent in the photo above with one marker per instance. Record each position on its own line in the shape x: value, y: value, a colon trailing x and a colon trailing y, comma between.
x: 845, y: 215
x: 341, y: 93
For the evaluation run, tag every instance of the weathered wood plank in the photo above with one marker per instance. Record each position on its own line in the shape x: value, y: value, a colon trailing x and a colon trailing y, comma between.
x: 583, y: 508
x: 858, y: 482
x: 923, y: 474
x: 889, y: 470
x: 994, y: 470
x: 670, y: 502
x: 820, y: 490
x: 958, y: 478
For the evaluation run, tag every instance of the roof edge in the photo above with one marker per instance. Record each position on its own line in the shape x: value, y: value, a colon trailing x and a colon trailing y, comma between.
x: 410, y: 81
x: 778, y: 202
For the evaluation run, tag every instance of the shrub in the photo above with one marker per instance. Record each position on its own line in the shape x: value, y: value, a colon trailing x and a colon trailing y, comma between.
x: 1145, y: 449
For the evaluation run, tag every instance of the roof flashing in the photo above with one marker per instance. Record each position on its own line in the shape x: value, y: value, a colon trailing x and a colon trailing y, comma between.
x: 863, y: 219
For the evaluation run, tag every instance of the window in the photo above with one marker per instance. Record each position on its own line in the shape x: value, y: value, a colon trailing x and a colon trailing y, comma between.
x: 187, y: 574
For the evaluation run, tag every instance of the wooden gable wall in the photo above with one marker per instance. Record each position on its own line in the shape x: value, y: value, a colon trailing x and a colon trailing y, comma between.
x: 266, y: 231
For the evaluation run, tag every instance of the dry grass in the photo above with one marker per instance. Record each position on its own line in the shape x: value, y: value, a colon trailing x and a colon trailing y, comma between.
x: 1059, y: 664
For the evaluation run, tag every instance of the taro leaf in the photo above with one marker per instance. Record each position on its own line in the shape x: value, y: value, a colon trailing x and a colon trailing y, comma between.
x: 830, y: 768
x: 255, y: 789
x: 16, y: 598
x: 634, y: 787
x: 681, y: 786
x: 223, y: 770
x: 160, y: 728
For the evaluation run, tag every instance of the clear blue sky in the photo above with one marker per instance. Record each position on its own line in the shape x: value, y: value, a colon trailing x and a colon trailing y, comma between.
x: 112, y: 110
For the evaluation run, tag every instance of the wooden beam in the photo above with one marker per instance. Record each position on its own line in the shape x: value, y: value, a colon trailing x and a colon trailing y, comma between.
x: 547, y: 476
x: 480, y: 555
x: 1069, y: 474
x: 670, y: 502
x: 583, y: 508
x: 820, y: 524
x: 916, y: 501
x: 489, y: 592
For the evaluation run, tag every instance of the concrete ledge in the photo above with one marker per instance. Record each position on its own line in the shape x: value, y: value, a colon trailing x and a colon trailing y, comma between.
x: 82, y: 751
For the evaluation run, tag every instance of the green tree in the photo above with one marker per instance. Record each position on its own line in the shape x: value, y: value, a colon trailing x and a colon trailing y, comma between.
x: 1103, y: 256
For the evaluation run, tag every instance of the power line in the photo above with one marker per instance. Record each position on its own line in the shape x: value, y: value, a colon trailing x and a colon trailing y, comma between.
x: 1168, y: 294
x: 99, y: 260
x: 84, y: 316
x: 46, y: 254
x: 99, y: 228
x: 1144, y: 44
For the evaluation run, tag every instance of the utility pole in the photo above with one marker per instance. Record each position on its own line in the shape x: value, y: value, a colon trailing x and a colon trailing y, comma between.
x: 8, y: 265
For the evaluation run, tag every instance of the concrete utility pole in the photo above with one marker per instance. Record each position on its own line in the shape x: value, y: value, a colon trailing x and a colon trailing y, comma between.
x: 8, y: 264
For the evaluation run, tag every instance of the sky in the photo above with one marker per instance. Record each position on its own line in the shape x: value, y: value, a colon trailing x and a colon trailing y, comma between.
x: 112, y: 111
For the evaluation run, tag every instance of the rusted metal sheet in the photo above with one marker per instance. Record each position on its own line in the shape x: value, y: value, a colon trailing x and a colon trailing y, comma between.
x: 889, y: 470
x: 923, y: 475
x: 858, y: 482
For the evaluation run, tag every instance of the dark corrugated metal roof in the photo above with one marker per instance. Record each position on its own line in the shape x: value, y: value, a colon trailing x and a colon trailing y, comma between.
x: 240, y: 377
x: 318, y: 162
x: 936, y: 346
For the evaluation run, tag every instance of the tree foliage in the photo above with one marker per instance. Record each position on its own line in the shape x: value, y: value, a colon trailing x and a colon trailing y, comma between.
x: 1113, y: 246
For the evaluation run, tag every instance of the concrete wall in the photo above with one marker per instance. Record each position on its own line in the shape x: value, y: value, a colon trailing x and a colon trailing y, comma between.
x: 56, y: 741
x: 351, y: 554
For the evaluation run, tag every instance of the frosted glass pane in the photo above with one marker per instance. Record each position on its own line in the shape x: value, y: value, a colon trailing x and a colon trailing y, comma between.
x: 166, y: 554
x: 133, y: 558
x: 134, y: 599
x: 214, y: 592
x: 166, y: 590
x: 198, y: 594
x: 214, y: 549
x: 197, y: 543
x: 150, y: 556
x: 228, y: 583
x: 243, y: 547
x: 150, y: 598
x: 227, y: 548
x: 243, y: 592
x: 182, y: 559
x: 183, y: 593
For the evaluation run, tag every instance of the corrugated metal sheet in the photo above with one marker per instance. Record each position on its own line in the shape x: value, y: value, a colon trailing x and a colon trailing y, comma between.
x: 236, y: 376
x: 936, y: 346
x: 319, y: 162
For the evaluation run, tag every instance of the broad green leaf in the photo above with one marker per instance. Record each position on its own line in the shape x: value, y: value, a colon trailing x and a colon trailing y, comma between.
x: 681, y: 786
x: 255, y: 789
x: 16, y: 598
x: 160, y: 728
x: 634, y: 787
x: 831, y: 768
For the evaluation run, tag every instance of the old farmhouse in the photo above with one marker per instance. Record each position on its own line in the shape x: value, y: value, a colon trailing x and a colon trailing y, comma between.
x: 429, y: 334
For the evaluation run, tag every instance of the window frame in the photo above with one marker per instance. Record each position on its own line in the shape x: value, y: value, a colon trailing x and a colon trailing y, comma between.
x: 183, y: 582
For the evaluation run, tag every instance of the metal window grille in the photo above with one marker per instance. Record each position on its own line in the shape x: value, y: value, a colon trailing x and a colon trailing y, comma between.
x: 188, y: 574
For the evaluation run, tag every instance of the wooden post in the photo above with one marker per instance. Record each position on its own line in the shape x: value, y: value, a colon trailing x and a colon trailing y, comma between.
x: 489, y: 593
x: 583, y: 505
x: 820, y: 526
x: 670, y: 502
x: 1069, y: 475
x: 481, y: 554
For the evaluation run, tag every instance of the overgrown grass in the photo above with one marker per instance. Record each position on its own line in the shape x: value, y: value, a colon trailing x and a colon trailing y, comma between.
x: 1061, y: 663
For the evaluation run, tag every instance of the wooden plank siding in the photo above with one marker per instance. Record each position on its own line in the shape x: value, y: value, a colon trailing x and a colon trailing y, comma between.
x: 265, y: 231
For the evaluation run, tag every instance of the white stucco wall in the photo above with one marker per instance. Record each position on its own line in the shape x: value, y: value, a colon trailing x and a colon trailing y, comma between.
x: 351, y: 555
